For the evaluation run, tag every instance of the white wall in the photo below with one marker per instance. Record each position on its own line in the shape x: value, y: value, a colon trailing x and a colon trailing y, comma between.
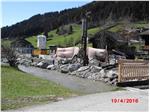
x: 41, y: 42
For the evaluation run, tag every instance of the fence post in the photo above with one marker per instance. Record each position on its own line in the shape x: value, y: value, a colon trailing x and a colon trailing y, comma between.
x: 119, y: 70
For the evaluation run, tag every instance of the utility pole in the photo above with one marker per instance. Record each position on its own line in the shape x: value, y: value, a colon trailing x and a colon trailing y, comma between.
x: 84, y: 39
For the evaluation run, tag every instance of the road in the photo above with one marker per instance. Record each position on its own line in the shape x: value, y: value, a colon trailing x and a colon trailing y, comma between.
x: 98, y: 102
x: 72, y: 82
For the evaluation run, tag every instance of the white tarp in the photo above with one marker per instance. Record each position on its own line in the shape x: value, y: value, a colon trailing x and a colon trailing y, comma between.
x: 96, y: 53
x: 72, y: 51
x: 67, y: 52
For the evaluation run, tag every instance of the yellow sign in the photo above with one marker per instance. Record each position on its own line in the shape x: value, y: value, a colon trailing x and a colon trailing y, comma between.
x: 38, y: 52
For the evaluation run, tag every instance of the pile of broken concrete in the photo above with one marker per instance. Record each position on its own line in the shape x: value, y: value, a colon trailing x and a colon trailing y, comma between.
x: 95, y: 70
x: 107, y: 74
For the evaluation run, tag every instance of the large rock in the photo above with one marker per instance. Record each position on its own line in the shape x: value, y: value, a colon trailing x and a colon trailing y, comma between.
x: 83, y: 68
x: 103, y: 74
x: 40, y: 64
x: 64, y: 68
x: 73, y: 73
x: 111, y: 74
x: 88, y: 75
x: 45, y: 65
x: 34, y: 64
x: 51, y: 67
x: 94, y: 69
x: 83, y: 74
x: 114, y: 81
x: 106, y: 80
x: 98, y: 76
x: 65, y: 61
x: 92, y: 76
x: 73, y: 67
x: 94, y: 62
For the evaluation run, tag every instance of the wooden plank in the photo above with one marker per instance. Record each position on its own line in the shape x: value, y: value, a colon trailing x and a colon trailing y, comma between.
x: 119, y: 76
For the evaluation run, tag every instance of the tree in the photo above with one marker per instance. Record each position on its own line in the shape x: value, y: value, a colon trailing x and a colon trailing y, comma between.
x: 10, y: 54
x: 70, y: 29
x: 57, y: 31
x: 100, y: 11
x: 46, y: 34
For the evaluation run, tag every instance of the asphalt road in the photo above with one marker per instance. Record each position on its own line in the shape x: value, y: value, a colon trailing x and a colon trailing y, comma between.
x: 72, y: 82
x: 98, y: 102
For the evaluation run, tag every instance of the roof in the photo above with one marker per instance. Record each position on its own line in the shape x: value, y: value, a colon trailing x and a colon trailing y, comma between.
x: 41, y: 36
x: 21, y: 43
x: 145, y: 32
x: 110, y: 35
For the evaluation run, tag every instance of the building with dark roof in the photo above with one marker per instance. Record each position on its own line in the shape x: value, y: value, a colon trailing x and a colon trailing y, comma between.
x: 22, y: 46
x: 145, y: 36
x: 106, y: 38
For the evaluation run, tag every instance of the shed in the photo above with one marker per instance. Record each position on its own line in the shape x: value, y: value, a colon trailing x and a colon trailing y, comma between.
x: 145, y: 36
x: 107, y: 38
x: 22, y: 46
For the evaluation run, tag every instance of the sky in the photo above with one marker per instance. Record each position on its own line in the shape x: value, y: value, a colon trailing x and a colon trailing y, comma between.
x: 13, y: 12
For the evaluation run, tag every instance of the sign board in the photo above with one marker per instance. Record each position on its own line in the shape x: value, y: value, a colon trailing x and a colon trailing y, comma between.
x: 38, y: 52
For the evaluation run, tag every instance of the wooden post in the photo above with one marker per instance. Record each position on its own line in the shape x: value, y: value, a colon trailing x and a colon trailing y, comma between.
x: 84, y: 41
x: 119, y: 70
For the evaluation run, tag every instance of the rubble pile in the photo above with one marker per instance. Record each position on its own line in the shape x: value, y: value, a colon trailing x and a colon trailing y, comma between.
x: 97, y: 73
x: 96, y: 70
x: 105, y: 72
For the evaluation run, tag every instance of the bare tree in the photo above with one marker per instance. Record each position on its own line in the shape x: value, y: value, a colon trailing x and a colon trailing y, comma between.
x: 10, y: 54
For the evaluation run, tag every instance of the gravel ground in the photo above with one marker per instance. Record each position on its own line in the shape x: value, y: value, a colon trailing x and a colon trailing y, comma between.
x: 81, y: 85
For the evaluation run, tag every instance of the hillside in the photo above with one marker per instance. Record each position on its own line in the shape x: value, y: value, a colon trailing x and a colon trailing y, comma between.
x: 75, y: 37
x: 64, y: 40
x: 101, y: 13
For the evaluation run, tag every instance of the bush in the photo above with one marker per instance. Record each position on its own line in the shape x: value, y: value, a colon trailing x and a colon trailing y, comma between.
x: 10, y: 54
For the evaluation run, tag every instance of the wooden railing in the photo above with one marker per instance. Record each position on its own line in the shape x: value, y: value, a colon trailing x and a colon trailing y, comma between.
x: 130, y: 70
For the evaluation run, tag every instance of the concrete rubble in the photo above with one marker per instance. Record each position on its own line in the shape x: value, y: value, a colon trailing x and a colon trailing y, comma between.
x: 98, y: 71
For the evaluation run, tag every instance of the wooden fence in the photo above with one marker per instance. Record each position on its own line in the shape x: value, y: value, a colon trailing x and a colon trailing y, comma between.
x: 133, y: 70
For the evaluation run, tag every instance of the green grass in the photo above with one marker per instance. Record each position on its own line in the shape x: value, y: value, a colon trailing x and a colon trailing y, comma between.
x: 122, y: 25
x: 119, y: 89
x: 33, y: 40
x: 140, y: 24
x: 75, y: 37
x: 5, y: 42
x: 116, y: 28
x: 137, y: 46
x: 63, y: 40
x: 17, y: 85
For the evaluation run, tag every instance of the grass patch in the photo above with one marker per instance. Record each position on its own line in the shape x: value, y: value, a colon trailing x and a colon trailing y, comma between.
x: 64, y: 40
x: 116, y: 28
x: 122, y: 25
x: 75, y: 37
x: 118, y: 89
x: 21, y: 89
x: 140, y: 25
x: 5, y: 42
